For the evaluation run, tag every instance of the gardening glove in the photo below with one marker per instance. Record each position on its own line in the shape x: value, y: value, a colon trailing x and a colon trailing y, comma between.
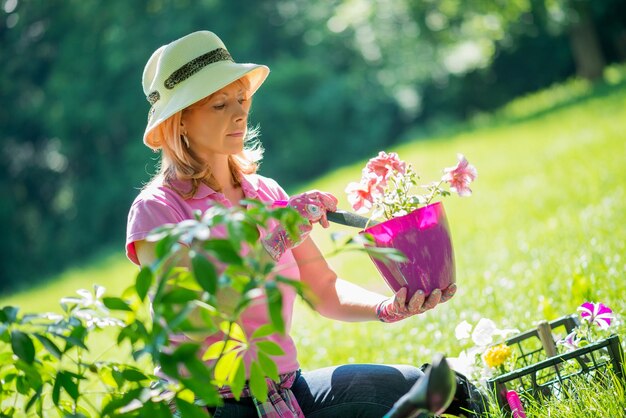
x: 395, y: 308
x: 312, y: 206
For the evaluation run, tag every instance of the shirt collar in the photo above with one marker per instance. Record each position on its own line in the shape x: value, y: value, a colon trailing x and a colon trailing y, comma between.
x: 249, y: 184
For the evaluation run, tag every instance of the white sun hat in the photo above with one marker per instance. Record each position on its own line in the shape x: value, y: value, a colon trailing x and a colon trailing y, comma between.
x: 187, y: 70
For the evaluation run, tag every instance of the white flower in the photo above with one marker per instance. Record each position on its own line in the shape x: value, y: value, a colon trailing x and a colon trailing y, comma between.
x: 91, y: 318
x: 464, y: 363
x: 88, y: 299
x: 463, y: 330
x: 484, y: 332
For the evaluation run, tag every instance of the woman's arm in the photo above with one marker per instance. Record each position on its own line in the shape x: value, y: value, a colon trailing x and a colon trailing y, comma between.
x: 338, y: 299
x: 333, y: 297
x: 145, y: 252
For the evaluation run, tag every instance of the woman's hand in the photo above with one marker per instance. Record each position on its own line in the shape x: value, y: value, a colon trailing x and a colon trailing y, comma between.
x: 396, y: 308
x: 311, y: 205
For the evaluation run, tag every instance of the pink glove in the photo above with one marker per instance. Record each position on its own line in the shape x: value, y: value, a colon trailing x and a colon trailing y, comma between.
x: 312, y: 206
x: 395, y: 308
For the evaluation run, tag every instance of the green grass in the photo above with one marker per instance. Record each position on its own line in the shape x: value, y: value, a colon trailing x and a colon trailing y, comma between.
x: 111, y: 270
x: 543, y: 232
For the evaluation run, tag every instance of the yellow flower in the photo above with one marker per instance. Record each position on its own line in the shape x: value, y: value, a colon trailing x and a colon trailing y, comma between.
x: 496, y: 356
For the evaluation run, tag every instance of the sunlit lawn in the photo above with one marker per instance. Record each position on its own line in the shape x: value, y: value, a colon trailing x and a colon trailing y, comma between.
x: 543, y: 232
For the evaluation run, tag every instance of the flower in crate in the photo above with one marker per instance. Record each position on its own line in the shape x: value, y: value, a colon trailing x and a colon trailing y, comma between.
x: 571, y: 342
x: 389, y: 187
x: 596, y: 313
x: 486, y: 354
x: 596, y: 320
x: 497, y: 355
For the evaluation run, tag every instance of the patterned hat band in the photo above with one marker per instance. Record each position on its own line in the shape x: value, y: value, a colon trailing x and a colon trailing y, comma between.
x: 189, y: 69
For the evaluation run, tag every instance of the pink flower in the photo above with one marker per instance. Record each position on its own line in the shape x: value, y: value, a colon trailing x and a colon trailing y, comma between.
x: 362, y: 195
x: 461, y: 176
x: 384, y: 166
x: 596, y: 313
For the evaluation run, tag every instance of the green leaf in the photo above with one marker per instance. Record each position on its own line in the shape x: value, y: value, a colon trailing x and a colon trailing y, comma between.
x: 33, y: 399
x: 32, y: 373
x: 199, y: 370
x: 186, y: 279
x: 143, y: 282
x: 68, y: 384
x: 49, y: 345
x: 4, y: 333
x: 270, y: 348
x: 275, y: 306
x: 116, y: 304
x: 269, y: 366
x: 225, y: 366
x: 238, y: 380
x: 76, y: 338
x: 21, y: 385
x: 56, y: 391
x: 168, y: 365
x: 234, y: 370
x: 8, y: 314
x: 223, y: 249
x: 117, y: 375
x: 164, y: 245
x: 204, y: 272
x: 233, y: 330
x: 220, y: 347
x: 202, y: 390
x: 189, y: 410
x: 186, y: 350
x: 263, y: 331
x: 133, y: 375
x: 257, y: 383
x: 23, y: 346
x: 118, y: 402
x: 386, y: 255
x: 179, y: 296
x: 241, y: 231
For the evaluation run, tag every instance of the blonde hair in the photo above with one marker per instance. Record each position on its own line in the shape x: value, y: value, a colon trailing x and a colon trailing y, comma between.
x: 178, y: 162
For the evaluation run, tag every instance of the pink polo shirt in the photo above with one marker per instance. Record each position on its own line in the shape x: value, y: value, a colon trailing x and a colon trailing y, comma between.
x: 158, y: 205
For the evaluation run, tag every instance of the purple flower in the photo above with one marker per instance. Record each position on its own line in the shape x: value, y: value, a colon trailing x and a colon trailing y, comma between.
x: 596, y: 313
x: 571, y: 342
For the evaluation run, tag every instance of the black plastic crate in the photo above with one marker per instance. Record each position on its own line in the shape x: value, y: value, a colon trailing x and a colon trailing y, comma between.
x: 540, y: 377
x: 528, y: 347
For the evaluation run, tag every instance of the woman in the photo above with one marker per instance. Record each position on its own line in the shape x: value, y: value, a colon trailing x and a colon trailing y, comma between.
x: 200, y: 102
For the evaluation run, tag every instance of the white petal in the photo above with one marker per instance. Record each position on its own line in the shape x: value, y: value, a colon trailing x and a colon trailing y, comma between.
x: 463, y: 330
x: 99, y: 291
x: 484, y: 331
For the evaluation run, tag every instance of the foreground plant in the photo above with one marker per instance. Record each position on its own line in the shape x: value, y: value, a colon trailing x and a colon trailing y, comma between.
x: 46, y: 365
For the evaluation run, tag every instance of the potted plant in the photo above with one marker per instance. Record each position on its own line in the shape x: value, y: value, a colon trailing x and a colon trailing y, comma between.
x: 411, y: 220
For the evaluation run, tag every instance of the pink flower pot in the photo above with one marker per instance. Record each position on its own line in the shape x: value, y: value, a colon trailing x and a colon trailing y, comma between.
x: 424, y: 237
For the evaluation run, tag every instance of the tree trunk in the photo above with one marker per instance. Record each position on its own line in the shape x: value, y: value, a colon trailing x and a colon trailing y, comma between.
x: 584, y: 42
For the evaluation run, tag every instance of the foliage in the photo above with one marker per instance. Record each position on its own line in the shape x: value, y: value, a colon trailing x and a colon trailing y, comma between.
x: 50, y: 349
x: 202, y: 282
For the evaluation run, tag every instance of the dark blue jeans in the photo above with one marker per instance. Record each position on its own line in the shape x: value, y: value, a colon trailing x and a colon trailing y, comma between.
x: 356, y: 390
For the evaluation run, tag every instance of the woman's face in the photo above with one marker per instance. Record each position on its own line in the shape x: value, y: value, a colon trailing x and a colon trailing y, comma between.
x: 217, y: 125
